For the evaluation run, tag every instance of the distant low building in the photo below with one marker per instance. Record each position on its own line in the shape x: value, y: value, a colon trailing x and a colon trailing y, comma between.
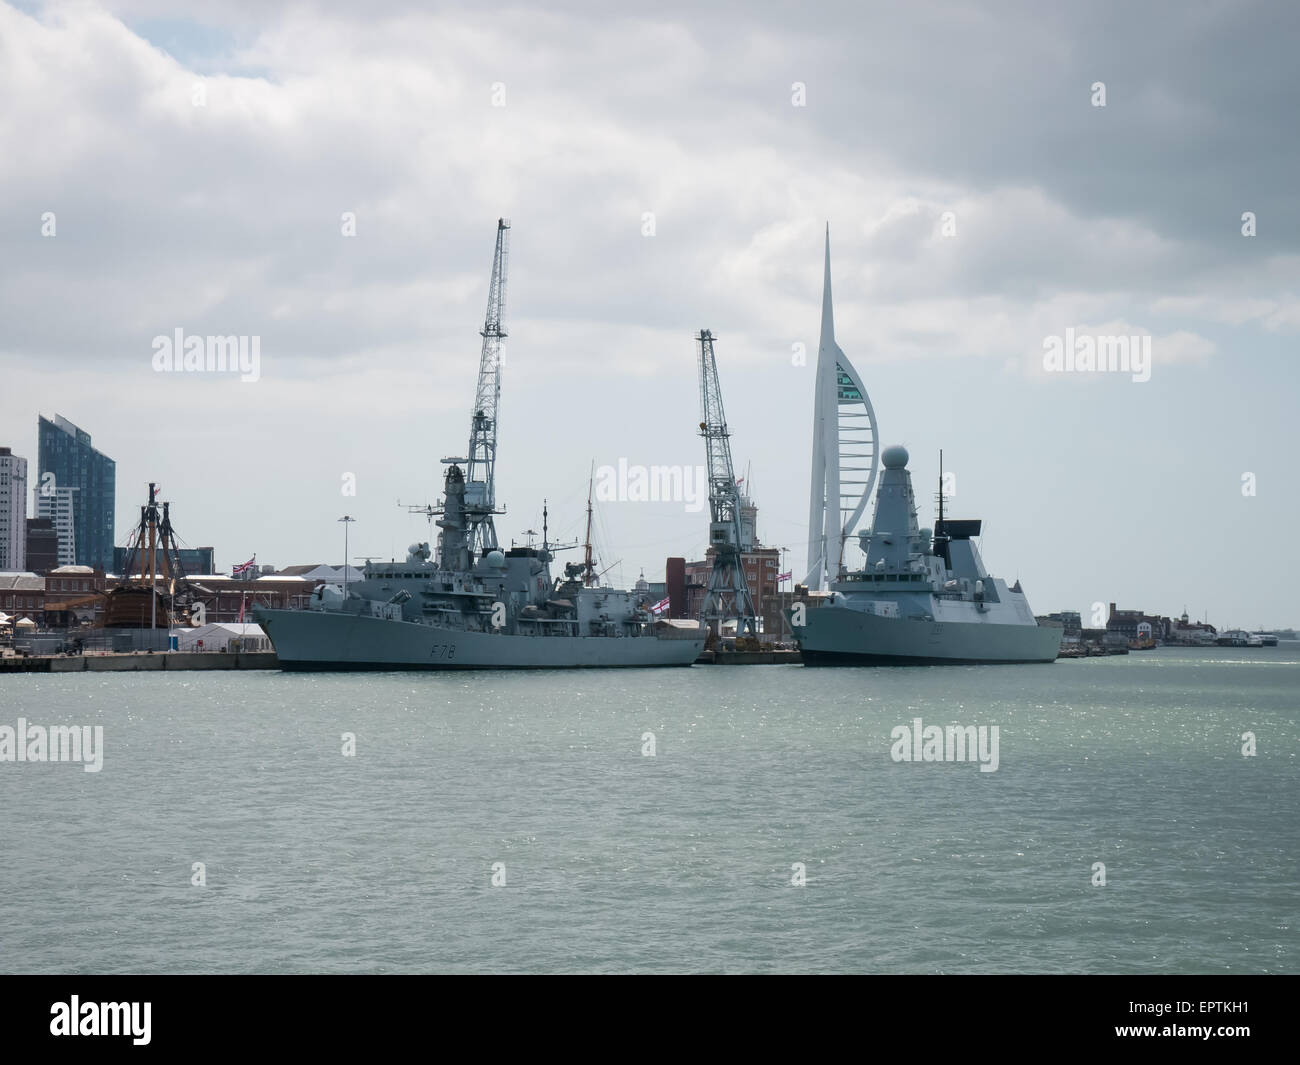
x: 1137, y: 624
x: 225, y: 598
x: 648, y: 593
x: 1191, y: 632
x: 22, y: 595
x: 74, y: 596
x: 1071, y: 621
x: 321, y: 573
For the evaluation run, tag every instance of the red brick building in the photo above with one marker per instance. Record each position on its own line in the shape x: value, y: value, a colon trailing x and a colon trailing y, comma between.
x: 73, y: 596
x: 222, y: 597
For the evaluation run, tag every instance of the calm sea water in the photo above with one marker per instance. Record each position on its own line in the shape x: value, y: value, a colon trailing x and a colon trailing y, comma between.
x: 615, y: 861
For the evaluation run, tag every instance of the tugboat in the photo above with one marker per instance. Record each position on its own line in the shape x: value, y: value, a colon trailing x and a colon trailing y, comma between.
x: 921, y: 599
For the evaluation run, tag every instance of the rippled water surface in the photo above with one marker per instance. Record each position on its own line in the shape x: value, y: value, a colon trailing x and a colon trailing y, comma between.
x: 615, y: 861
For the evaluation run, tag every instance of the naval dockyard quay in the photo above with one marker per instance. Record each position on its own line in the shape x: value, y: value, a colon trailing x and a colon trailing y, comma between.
x: 612, y: 491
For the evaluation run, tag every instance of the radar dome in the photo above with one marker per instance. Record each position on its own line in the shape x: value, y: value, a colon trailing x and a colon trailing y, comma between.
x: 895, y: 458
x: 496, y: 560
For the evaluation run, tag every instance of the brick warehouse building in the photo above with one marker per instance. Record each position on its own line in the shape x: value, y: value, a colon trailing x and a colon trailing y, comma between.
x: 223, y: 596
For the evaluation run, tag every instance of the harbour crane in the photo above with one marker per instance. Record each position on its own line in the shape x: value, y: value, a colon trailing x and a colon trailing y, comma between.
x: 728, y: 595
x: 480, y: 472
x: 480, y: 467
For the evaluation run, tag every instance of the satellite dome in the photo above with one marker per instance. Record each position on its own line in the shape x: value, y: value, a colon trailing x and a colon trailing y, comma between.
x: 895, y: 458
x: 496, y: 560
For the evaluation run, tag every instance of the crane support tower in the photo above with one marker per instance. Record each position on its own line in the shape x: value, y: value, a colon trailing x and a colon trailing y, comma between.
x: 480, y: 472
x: 728, y: 596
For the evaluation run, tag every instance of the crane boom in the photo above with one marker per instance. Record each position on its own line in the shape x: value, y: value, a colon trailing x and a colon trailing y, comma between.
x: 728, y: 595
x: 480, y: 474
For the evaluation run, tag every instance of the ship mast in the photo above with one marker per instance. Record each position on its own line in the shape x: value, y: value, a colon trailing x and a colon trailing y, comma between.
x: 588, y: 567
x: 941, y: 488
x: 480, y: 473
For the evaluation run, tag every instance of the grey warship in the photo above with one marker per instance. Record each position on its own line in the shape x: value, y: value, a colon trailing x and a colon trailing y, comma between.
x: 497, y: 610
x: 920, y: 599
x: 473, y: 605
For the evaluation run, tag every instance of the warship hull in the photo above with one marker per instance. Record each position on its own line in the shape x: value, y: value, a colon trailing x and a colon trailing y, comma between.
x: 317, y: 640
x: 834, y: 636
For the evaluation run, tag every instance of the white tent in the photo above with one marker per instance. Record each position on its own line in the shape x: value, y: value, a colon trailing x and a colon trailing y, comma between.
x: 217, y: 636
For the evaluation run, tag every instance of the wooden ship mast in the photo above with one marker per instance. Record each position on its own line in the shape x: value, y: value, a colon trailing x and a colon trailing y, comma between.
x: 160, y: 595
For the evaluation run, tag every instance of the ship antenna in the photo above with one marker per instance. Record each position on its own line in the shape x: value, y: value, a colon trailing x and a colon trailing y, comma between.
x: 544, y: 520
x: 941, y: 488
x: 587, y: 563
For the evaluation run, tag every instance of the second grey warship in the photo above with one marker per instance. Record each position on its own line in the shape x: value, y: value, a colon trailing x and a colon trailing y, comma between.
x: 921, y: 598
x: 474, y: 605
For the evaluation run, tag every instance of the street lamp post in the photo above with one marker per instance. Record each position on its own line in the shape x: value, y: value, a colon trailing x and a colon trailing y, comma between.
x: 781, y: 595
x: 346, y: 520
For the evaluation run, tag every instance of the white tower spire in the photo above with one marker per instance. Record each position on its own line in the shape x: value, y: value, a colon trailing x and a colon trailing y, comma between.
x: 843, y: 449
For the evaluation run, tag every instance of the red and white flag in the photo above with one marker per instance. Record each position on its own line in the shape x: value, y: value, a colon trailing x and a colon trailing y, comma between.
x: 659, y: 607
x: 237, y: 570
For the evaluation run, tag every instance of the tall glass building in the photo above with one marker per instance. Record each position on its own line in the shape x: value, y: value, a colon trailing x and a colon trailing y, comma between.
x: 65, y: 451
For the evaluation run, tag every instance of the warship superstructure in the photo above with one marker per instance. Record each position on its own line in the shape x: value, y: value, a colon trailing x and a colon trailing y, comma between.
x: 470, y: 604
x: 922, y: 597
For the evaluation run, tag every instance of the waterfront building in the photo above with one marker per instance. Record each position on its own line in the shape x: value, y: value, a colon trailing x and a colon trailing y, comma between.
x: 321, y: 573
x: 57, y: 506
x: 225, y: 598
x: 22, y: 595
x: 13, y: 511
x: 1071, y: 621
x: 74, y: 595
x: 1136, y: 624
x: 65, y: 452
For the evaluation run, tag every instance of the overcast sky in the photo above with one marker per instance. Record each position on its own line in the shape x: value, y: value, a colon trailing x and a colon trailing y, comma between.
x: 225, y: 218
